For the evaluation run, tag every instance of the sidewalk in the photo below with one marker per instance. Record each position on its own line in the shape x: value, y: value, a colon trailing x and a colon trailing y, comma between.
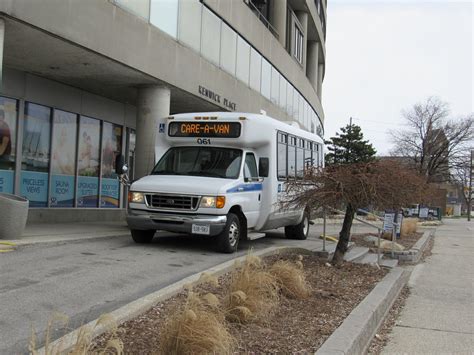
x: 439, y: 314
x: 60, y: 232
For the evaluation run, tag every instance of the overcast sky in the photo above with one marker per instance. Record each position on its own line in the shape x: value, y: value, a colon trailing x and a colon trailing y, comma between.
x: 383, y: 56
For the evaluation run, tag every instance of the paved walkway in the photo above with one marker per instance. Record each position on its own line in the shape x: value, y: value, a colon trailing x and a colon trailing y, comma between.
x: 439, y: 314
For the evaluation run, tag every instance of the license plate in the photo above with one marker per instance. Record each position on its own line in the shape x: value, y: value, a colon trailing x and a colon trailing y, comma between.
x: 200, y: 229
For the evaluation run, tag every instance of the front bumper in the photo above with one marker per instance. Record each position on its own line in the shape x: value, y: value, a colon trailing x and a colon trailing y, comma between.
x: 178, y: 223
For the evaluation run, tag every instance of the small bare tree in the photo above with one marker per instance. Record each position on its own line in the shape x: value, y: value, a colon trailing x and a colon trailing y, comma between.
x: 432, y: 141
x: 380, y: 183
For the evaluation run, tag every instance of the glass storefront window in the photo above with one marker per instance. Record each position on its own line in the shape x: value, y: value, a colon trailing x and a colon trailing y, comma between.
x: 255, y: 69
x: 88, y: 162
x: 111, y: 147
x: 164, y: 15
x: 228, y: 49
x: 266, y: 84
x: 243, y: 60
x: 275, y: 90
x: 296, y: 104
x: 63, y: 159
x: 211, y: 36
x: 8, y: 119
x: 189, y: 23
x: 36, y: 150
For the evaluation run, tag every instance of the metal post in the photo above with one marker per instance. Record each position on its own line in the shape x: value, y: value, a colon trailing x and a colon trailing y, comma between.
x: 378, y: 245
x: 324, y: 229
x: 394, y: 235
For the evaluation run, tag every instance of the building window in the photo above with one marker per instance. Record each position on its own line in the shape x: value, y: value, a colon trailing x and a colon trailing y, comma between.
x: 138, y: 7
x: 275, y: 89
x: 164, y: 15
x: 255, y: 69
x: 63, y: 159
x: 8, y: 119
x: 243, y: 60
x: 211, y: 36
x: 189, y: 23
x: 228, y: 49
x: 295, y: 37
x: 111, y: 147
x: 266, y: 84
x: 36, y: 150
x: 88, y: 163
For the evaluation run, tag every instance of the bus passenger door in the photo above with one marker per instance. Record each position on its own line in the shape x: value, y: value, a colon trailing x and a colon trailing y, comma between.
x: 252, y: 190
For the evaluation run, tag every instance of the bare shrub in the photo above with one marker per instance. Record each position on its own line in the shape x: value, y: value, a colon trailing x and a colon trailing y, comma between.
x: 252, y: 293
x: 409, y: 226
x: 197, y: 328
x: 291, y: 279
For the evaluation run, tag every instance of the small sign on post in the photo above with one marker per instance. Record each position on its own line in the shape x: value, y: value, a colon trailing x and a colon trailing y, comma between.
x: 388, y: 221
x: 423, y: 212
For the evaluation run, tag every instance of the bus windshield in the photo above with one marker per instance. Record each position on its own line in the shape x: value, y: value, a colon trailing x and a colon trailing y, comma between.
x: 200, y: 161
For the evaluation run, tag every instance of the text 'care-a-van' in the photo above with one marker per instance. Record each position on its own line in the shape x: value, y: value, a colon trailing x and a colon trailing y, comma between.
x: 223, y: 175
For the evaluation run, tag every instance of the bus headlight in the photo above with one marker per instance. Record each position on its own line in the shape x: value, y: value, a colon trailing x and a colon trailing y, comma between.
x: 136, y: 197
x: 212, y: 202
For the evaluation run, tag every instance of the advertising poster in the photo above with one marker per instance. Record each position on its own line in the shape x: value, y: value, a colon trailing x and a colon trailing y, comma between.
x: 63, y: 159
x: 34, y: 187
x: 110, y: 193
x: 89, y: 147
x: 6, y: 181
x: 8, y: 114
x: 87, y: 191
x: 111, y: 148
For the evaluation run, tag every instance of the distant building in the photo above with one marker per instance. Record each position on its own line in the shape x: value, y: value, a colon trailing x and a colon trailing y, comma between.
x: 86, y: 80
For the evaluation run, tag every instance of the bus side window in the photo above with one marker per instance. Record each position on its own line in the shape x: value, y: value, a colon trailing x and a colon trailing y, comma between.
x: 250, y: 167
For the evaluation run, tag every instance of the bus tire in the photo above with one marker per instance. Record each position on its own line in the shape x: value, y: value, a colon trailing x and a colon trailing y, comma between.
x: 142, y: 237
x: 299, y: 231
x: 228, y: 239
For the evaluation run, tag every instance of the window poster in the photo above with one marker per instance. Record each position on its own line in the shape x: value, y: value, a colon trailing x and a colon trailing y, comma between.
x: 111, y: 147
x: 88, y: 162
x: 63, y: 159
x: 8, y: 117
x: 36, y: 150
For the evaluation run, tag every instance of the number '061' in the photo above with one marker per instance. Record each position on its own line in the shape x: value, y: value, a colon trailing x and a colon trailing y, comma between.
x: 203, y: 141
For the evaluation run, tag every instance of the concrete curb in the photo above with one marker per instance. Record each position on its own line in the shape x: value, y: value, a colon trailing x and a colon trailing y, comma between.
x: 356, y: 332
x: 414, y: 254
x: 141, y: 305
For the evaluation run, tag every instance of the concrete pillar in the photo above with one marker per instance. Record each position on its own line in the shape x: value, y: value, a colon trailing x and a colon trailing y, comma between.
x: 278, y: 13
x: 313, y: 63
x: 2, y: 41
x: 320, y: 81
x: 303, y: 19
x: 153, y: 108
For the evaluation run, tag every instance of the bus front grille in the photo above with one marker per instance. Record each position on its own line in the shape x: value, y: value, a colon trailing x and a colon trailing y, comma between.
x: 174, y: 202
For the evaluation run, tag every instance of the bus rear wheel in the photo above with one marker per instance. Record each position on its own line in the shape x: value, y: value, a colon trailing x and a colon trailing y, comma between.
x: 299, y: 231
x: 142, y: 237
x: 228, y: 239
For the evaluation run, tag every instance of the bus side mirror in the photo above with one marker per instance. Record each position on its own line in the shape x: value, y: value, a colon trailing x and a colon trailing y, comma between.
x: 263, y: 167
x: 120, y: 166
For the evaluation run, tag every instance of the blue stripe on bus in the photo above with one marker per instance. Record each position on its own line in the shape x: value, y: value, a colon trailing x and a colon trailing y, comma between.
x: 246, y: 188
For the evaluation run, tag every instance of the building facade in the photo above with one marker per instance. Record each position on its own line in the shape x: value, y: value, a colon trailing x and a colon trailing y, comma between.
x: 84, y: 81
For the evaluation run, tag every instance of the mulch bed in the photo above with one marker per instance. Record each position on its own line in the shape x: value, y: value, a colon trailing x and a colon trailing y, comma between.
x: 298, y: 326
x: 407, y: 241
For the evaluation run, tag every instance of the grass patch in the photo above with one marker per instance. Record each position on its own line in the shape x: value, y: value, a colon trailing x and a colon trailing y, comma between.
x: 409, y: 226
x: 252, y: 293
x: 291, y: 278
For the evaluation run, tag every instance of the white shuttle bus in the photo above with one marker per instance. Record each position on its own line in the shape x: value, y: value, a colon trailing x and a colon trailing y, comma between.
x: 223, y: 176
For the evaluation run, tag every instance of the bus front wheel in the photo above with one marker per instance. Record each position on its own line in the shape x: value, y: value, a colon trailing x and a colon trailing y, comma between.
x: 142, y: 237
x: 228, y: 239
x: 299, y: 231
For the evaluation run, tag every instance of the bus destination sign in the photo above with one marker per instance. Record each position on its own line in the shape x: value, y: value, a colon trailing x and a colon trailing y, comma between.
x: 204, y: 129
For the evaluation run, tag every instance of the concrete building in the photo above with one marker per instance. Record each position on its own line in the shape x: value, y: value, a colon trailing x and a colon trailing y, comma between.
x: 83, y: 81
